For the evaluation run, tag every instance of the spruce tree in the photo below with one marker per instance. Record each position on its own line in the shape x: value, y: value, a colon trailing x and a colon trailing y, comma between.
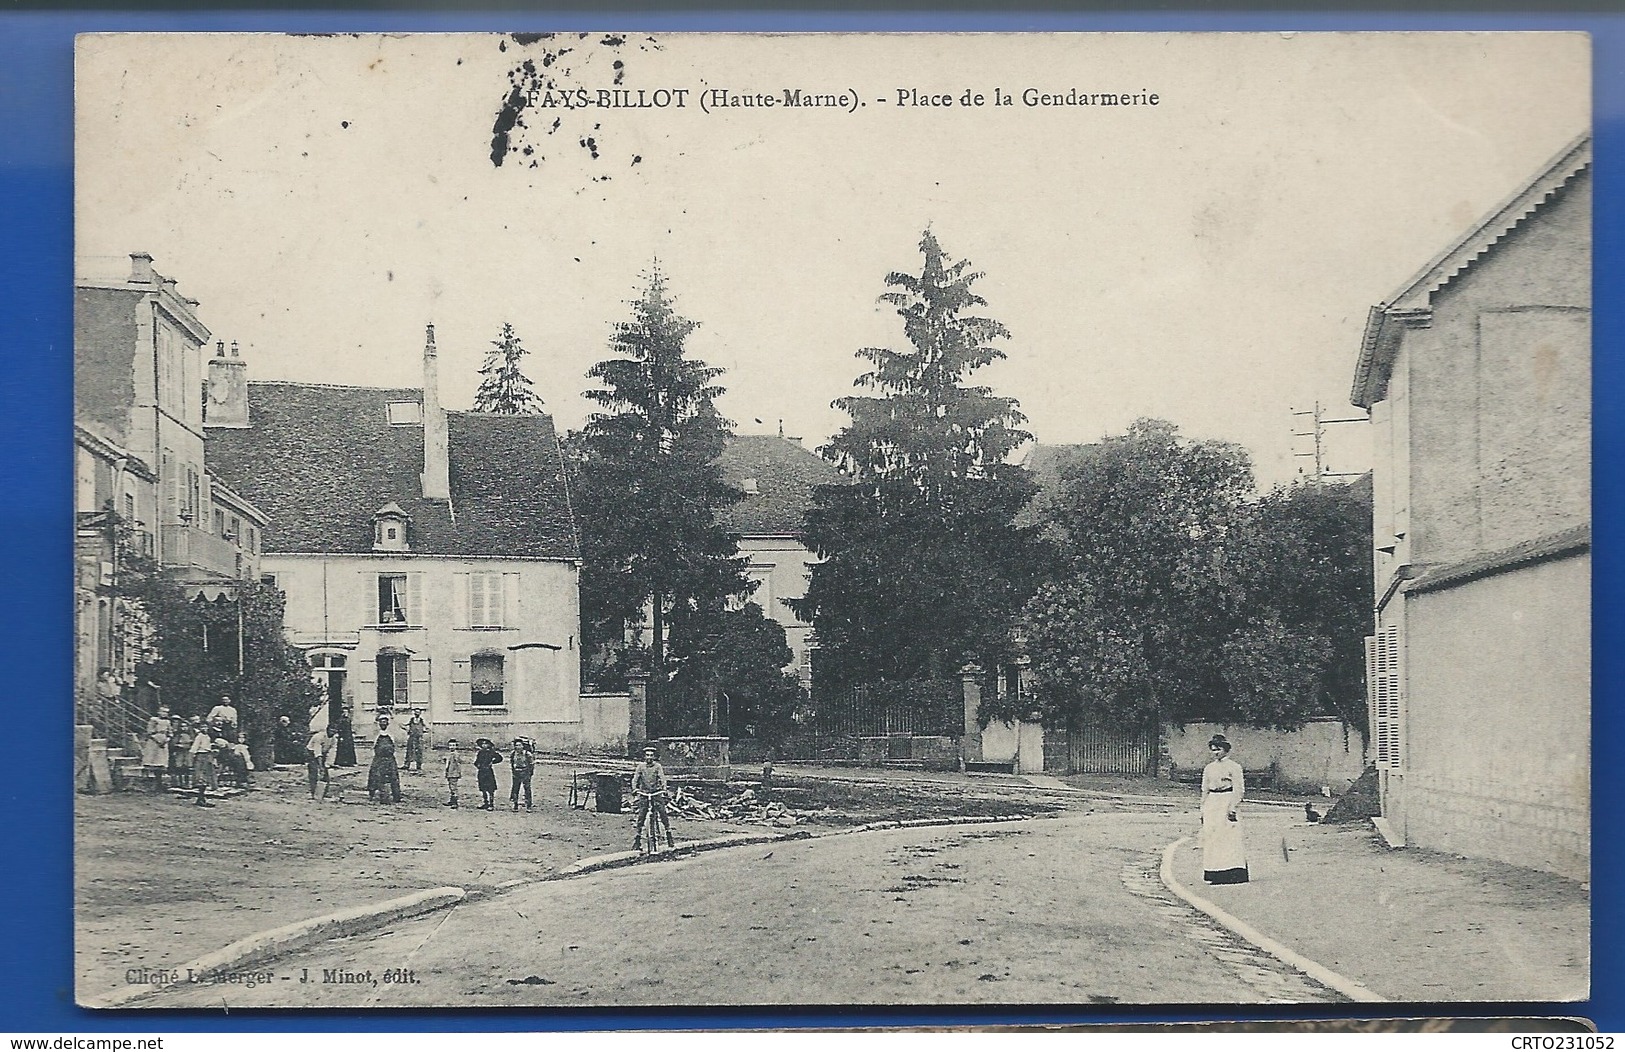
x: 650, y: 491
x: 503, y: 387
x: 923, y: 567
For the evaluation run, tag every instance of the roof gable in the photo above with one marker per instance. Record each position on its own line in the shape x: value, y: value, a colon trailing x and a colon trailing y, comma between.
x: 1412, y: 301
x: 321, y: 460
x: 786, y: 474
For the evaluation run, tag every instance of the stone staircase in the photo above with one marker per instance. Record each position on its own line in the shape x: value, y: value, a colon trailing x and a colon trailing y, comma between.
x: 106, y: 745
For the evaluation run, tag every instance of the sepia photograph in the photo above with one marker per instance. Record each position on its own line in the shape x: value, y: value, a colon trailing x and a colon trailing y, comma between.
x: 595, y: 520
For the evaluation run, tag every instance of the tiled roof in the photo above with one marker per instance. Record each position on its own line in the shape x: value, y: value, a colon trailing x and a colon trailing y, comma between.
x: 1414, y: 298
x: 1571, y: 541
x: 321, y: 460
x: 785, y: 472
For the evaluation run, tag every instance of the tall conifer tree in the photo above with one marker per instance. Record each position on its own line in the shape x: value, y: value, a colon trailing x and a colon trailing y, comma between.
x: 503, y: 387
x: 650, y: 490
x: 923, y: 567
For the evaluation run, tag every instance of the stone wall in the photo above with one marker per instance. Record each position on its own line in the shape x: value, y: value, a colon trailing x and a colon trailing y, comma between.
x: 1323, y: 752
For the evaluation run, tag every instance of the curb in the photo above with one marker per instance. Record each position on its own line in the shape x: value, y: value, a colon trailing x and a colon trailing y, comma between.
x: 1318, y: 972
x: 265, y: 945
x: 621, y: 859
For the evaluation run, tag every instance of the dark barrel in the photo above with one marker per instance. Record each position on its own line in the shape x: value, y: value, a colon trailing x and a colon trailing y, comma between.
x: 609, y: 793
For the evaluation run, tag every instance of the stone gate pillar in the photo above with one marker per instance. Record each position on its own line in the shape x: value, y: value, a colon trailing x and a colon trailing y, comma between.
x: 637, y: 707
x: 970, y: 742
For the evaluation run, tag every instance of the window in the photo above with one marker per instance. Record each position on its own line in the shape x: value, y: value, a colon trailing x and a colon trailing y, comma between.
x: 268, y: 580
x: 393, y: 604
x: 219, y: 523
x: 405, y: 413
x: 394, y: 681
x: 486, y: 680
x: 389, y: 529
x: 485, y: 600
x: 129, y: 511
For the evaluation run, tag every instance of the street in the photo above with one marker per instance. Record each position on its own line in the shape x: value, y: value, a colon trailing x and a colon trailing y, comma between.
x: 1064, y: 910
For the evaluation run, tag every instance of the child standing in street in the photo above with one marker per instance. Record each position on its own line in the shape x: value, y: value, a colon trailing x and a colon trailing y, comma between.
x: 203, y: 775
x: 454, y: 770
x: 486, y: 757
x: 521, y: 762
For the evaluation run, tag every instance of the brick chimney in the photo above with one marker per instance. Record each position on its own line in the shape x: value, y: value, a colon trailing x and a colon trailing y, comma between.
x: 436, y: 469
x: 227, y: 401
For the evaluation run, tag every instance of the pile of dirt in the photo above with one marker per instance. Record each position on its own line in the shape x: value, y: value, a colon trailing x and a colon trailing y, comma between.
x: 1360, y: 804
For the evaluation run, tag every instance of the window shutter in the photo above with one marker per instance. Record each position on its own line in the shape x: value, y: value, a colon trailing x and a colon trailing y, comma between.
x: 366, y: 682
x: 479, y: 600
x: 369, y: 598
x: 414, y: 599
x: 1384, y: 691
x: 460, y: 680
x: 497, y: 597
x: 419, y: 687
x: 509, y: 609
x: 461, y: 602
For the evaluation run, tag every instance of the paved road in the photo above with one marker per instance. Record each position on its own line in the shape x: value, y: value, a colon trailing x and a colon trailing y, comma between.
x: 1064, y: 910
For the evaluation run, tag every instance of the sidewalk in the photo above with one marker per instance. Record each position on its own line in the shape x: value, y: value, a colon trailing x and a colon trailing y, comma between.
x: 1410, y: 925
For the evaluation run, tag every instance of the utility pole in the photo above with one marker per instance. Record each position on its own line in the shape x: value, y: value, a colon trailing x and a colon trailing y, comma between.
x: 1317, y: 433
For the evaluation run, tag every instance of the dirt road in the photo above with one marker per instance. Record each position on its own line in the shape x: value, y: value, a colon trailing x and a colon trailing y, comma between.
x: 1063, y: 910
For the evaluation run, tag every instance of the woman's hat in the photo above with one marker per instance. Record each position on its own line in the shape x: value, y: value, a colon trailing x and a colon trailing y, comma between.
x: 1220, y: 740
x: 483, y: 741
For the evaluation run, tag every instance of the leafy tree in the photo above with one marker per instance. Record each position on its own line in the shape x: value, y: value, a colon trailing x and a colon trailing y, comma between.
x: 738, y: 663
x: 1300, y: 559
x: 196, y: 647
x: 650, y: 490
x: 1133, y: 628
x: 503, y: 387
x: 923, y: 568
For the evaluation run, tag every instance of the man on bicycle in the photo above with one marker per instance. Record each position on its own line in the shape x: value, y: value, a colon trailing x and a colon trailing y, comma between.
x: 649, y: 785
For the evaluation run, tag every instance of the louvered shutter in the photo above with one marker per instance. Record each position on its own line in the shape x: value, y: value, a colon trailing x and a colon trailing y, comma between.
x: 460, y: 680
x: 497, y: 597
x: 461, y: 604
x: 414, y: 599
x: 366, y: 683
x: 418, y: 691
x: 510, y: 600
x: 1385, y: 692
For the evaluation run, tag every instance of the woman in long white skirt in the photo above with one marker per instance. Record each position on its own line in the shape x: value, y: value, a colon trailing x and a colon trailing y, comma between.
x: 1224, y: 853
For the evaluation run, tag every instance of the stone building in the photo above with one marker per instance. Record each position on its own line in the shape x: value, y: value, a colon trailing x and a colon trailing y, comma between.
x: 429, y: 558
x: 1477, y: 373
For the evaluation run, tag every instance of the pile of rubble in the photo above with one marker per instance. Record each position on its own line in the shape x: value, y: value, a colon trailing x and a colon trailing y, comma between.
x: 744, y: 806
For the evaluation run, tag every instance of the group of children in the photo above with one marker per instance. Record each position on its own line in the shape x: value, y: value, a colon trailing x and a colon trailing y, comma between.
x: 521, y: 762
x: 192, y: 753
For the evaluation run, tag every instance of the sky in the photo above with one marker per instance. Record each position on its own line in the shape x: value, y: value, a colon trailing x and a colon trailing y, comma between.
x: 1209, y: 260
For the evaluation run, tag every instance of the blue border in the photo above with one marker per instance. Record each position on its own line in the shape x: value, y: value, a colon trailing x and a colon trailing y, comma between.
x: 36, y: 165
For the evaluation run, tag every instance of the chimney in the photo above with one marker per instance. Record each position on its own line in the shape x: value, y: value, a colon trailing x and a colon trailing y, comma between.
x: 436, y: 470
x: 141, y: 272
x: 226, y: 398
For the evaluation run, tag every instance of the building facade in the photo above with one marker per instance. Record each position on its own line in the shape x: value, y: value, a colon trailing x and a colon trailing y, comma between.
x: 778, y: 476
x: 141, y: 486
x: 1477, y: 376
x: 429, y: 559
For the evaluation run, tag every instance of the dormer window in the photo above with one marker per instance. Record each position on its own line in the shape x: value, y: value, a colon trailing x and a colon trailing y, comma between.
x: 749, y: 486
x: 389, y: 526
x: 405, y: 412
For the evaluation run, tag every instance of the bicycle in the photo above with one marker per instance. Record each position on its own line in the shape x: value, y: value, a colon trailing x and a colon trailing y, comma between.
x: 652, y: 816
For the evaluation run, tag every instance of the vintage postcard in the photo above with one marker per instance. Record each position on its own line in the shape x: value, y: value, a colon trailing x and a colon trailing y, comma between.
x: 622, y: 519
